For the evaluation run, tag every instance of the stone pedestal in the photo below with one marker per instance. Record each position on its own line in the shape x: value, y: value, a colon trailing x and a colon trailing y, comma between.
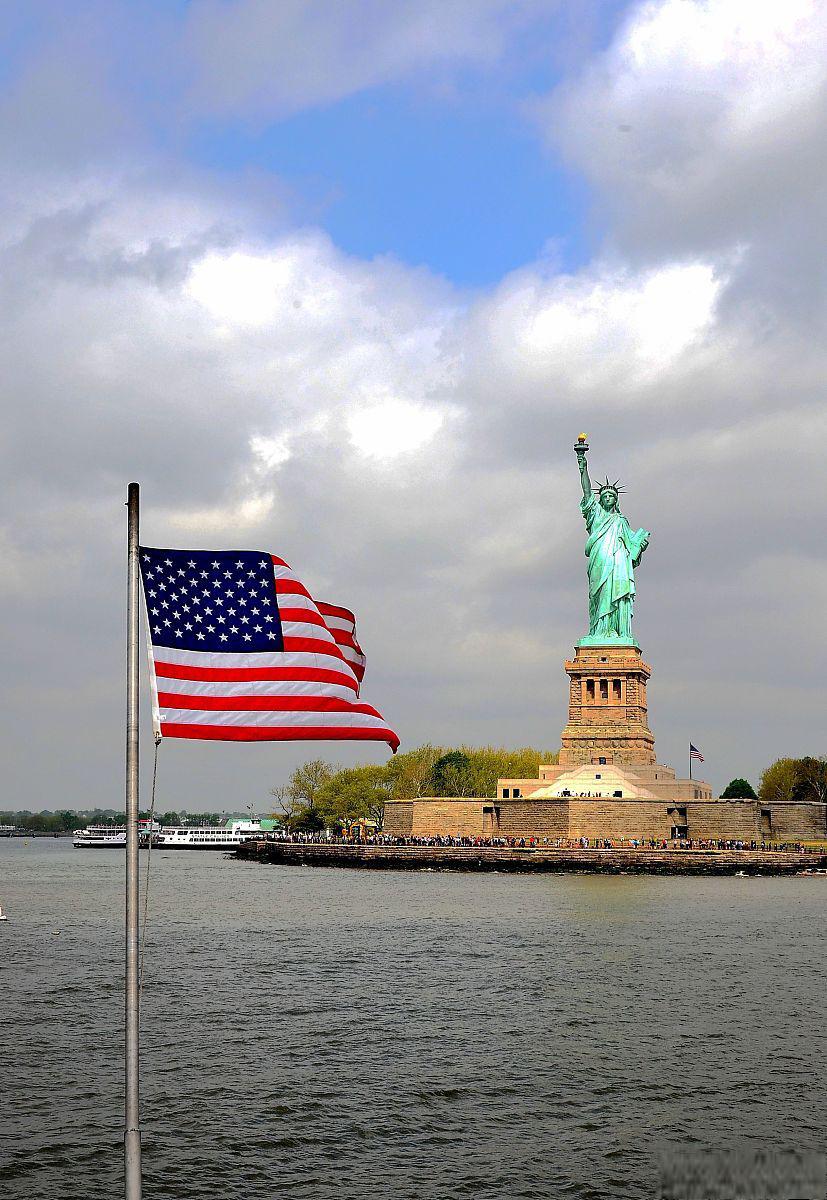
x: 608, y: 720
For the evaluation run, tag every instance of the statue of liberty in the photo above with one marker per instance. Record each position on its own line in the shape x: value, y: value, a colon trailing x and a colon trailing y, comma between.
x: 613, y: 551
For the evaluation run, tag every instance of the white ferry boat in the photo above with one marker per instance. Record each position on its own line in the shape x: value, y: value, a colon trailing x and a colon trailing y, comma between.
x: 210, y: 837
x: 112, y: 837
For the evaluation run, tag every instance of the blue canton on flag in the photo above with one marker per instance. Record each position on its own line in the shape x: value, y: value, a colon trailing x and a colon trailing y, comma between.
x: 211, y: 599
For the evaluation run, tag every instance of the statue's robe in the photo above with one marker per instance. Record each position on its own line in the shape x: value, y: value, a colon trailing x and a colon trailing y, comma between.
x: 613, y: 551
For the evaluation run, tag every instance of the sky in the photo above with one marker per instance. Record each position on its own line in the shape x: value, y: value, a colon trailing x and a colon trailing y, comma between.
x: 344, y: 283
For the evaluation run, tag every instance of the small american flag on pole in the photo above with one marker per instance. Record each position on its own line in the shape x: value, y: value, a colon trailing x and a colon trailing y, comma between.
x: 240, y: 651
x: 694, y: 753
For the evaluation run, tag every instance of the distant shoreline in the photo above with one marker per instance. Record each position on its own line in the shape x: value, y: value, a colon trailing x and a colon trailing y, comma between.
x: 534, y: 860
x: 37, y: 833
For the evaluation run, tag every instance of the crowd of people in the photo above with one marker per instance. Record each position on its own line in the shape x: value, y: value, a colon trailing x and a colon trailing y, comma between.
x: 534, y: 843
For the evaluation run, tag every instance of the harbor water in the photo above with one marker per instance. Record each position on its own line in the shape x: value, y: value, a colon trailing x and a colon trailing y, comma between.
x: 314, y: 1032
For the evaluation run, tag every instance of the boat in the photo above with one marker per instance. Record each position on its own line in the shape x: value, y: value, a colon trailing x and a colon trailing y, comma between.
x: 3, y: 916
x: 112, y: 837
x: 211, y: 837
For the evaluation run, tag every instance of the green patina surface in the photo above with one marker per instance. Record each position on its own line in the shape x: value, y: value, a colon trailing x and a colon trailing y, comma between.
x: 614, y: 550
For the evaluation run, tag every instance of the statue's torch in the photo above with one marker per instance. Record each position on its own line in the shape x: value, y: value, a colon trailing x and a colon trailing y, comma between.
x: 581, y: 446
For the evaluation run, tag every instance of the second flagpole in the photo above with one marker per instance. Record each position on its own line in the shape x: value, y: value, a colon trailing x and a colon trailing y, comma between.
x: 132, y: 1118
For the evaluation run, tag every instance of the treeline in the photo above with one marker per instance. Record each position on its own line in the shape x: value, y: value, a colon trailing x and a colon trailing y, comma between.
x: 67, y: 819
x: 319, y: 794
x: 63, y: 821
x: 799, y: 779
x: 791, y: 779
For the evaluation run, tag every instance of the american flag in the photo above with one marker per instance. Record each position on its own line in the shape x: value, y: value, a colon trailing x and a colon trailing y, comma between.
x: 695, y: 753
x: 240, y: 650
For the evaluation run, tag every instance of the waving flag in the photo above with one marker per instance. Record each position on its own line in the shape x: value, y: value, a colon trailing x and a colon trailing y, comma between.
x: 342, y: 625
x: 241, y: 651
x: 695, y: 753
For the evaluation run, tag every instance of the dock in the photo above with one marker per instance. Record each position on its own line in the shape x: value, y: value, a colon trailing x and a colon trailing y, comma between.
x: 528, y: 859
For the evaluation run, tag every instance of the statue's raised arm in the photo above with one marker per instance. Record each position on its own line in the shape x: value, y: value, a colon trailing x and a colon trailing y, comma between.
x: 614, y: 550
x: 581, y: 449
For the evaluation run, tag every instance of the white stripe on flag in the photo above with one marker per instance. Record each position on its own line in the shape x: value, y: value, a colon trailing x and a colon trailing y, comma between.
x: 267, y: 717
x: 253, y: 687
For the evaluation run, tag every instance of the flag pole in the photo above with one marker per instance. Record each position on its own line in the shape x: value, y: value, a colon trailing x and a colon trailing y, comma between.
x: 132, y: 1121
x: 690, y: 760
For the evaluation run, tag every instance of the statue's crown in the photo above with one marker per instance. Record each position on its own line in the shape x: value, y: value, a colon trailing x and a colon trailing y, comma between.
x: 616, y: 487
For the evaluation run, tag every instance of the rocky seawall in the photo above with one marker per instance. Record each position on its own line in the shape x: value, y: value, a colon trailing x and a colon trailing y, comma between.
x: 533, y: 859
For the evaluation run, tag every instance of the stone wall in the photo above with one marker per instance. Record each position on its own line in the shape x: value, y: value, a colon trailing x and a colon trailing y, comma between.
x: 543, y: 819
x: 447, y: 817
x: 399, y: 818
x: 618, y: 819
x: 738, y: 819
x: 603, y: 818
x: 493, y: 858
x: 790, y: 822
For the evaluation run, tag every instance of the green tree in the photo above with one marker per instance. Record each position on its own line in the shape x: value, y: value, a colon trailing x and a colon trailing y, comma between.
x: 474, y: 770
x: 779, y: 781
x: 45, y: 822
x: 286, y: 806
x: 811, y: 779
x: 299, y: 798
x: 307, y: 781
x: 453, y: 775
x: 739, y: 789
x: 307, y: 820
x: 410, y: 774
x: 355, y: 792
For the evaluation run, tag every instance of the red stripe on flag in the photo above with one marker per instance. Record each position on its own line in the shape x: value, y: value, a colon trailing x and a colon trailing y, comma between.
x: 244, y: 674
x: 333, y: 610
x: 308, y: 615
x: 264, y: 703
x: 342, y: 637
x: 292, y: 587
x: 308, y: 645
x: 276, y: 733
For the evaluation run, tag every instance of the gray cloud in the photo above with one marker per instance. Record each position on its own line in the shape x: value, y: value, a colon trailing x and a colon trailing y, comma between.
x: 255, y: 59
x: 702, y: 127
x: 408, y: 448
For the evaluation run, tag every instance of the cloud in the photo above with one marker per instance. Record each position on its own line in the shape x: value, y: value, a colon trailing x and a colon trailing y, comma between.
x: 604, y: 327
x: 702, y: 122
x: 255, y: 59
x: 407, y: 445
x: 392, y: 427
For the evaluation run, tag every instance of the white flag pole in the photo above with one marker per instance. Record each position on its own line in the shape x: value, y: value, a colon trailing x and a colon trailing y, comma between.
x: 132, y: 1119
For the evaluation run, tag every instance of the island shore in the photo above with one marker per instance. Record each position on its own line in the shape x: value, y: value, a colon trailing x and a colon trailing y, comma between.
x: 534, y: 859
